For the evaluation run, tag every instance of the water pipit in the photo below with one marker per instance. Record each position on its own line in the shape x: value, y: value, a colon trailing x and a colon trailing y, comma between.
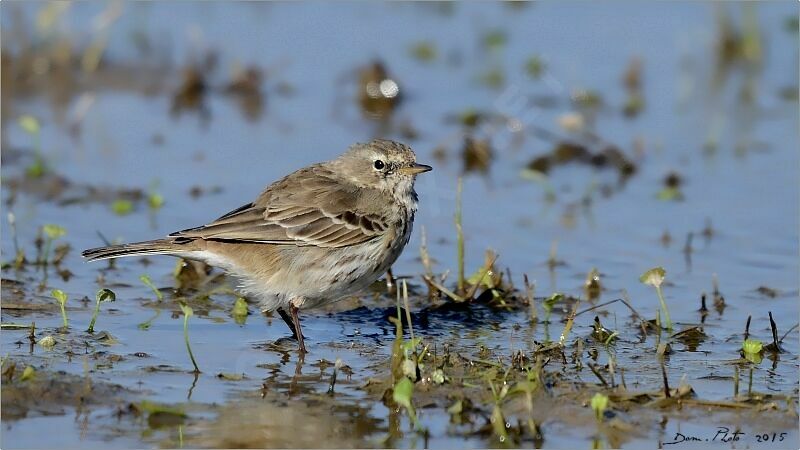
x: 316, y: 236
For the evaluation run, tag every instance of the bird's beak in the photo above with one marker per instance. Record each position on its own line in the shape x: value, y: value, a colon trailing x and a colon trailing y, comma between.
x: 415, y: 169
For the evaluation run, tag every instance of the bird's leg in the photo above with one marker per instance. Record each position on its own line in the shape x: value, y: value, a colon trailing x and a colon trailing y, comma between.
x: 288, y: 321
x: 293, y: 311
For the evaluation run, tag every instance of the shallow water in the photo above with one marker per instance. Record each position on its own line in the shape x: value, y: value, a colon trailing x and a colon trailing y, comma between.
x: 745, y: 187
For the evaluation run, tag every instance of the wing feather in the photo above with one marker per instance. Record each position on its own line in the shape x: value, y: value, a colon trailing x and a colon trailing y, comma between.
x: 308, y: 207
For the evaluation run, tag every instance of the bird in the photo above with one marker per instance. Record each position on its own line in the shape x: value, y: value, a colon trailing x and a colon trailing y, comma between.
x: 316, y: 236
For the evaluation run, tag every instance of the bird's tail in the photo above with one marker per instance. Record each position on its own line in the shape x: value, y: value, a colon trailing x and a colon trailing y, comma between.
x: 156, y: 247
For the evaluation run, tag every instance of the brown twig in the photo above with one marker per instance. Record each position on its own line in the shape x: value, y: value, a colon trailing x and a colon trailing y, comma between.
x: 747, y: 328
x: 666, y: 382
x: 593, y: 367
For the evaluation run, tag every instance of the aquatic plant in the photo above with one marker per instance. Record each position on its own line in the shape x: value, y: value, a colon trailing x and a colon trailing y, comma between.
x: 752, y: 348
x: 149, y: 283
x: 122, y: 207
x: 548, y: 304
x: 61, y: 297
x: 32, y: 127
x: 28, y: 373
x: 51, y: 233
x: 188, y: 312
x: 19, y: 254
x: 154, y: 199
x: 599, y: 405
x: 654, y: 277
x: 459, y: 236
x: 401, y: 394
x: 103, y: 295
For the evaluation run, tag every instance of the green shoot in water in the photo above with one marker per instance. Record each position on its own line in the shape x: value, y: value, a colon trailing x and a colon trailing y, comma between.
x: 51, y: 232
x: 31, y: 126
x: 548, y: 304
x: 599, y: 405
x: 460, y: 237
x: 103, y: 295
x: 149, y: 283
x: 122, y: 207
x: 61, y: 297
x: 403, y: 391
x: 188, y: 312
x: 752, y: 349
x: 654, y: 277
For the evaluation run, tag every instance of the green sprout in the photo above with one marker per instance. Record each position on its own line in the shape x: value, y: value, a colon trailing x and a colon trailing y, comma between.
x: 535, y: 67
x: 27, y: 374
x: 752, y: 350
x: 403, y: 391
x: 548, y: 304
x: 460, y: 237
x: 654, y: 277
x: 149, y: 283
x: 31, y: 126
x: 122, y: 207
x: 497, y: 419
x: 61, y: 297
x: 51, y: 232
x: 144, y: 326
x: 495, y: 40
x: 599, y: 405
x: 103, y: 295
x: 188, y: 312
x: 154, y: 199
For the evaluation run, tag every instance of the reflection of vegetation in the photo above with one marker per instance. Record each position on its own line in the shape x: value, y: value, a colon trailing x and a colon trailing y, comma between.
x: 149, y: 283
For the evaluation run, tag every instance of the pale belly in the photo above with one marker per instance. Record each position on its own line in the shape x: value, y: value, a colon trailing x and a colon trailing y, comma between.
x: 311, y: 276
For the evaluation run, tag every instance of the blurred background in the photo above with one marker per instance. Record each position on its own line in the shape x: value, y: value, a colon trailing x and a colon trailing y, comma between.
x: 588, y: 136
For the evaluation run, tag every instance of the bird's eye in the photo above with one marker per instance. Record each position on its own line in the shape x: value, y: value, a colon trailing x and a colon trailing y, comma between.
x: 379, y: 165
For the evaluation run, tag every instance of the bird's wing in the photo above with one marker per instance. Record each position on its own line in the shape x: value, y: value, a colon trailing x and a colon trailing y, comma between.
x: 308, y: 207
